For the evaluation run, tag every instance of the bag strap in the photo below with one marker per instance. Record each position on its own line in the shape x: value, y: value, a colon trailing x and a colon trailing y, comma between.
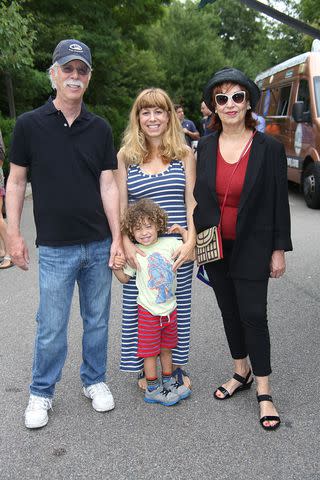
x: 244, y: 152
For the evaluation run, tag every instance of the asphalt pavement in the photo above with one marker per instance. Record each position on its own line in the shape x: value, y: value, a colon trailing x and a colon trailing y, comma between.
x: 200, y: 438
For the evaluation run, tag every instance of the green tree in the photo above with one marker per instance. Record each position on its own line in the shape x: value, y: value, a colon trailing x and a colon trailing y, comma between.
x: 16, y: 40
x: 191, y: 44
x: 114, y: 30
x: 188, y: 49
x: 309, y: 12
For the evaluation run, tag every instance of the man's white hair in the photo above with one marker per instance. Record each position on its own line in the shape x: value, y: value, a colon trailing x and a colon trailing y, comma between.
x: 53, y: 67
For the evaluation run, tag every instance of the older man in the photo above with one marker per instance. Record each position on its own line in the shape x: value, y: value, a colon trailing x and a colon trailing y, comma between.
x: 71, y: 156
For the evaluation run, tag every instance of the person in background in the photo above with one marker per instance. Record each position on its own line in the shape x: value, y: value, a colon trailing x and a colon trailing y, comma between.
x: 143, y: 222
x: 189, y: 129
x: 5, y: 259
x: 261, y: 123
x: 154, y: 162
x: 252, y: 168
x: 206, y: 119
x: 76, y: 210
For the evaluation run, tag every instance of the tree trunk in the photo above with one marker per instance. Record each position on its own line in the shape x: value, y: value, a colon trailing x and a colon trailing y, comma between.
x: 10, y: 96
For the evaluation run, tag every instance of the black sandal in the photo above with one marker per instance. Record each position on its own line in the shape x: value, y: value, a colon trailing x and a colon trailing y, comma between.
x: 245, y: 386
x: 268, y: 418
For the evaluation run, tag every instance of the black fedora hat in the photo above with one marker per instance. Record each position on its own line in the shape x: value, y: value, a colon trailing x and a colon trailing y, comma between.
x: 233, y: 75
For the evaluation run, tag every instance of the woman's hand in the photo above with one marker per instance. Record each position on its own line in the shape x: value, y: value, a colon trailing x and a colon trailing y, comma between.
x: 183, y: 254
x: 131, y: 251
x: 176, y: 228
x: 277, y: 264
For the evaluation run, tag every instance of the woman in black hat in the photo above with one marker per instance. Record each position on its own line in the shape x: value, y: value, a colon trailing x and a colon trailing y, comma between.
x: 247, y: 169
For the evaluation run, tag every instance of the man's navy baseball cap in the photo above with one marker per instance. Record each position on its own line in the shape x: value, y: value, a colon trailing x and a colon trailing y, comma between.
x: 71, y: 49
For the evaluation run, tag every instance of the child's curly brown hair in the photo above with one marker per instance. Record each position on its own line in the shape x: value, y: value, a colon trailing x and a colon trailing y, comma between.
x: 136, y: 213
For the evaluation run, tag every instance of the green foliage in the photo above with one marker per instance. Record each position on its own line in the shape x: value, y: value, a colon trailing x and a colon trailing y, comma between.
x: 6, y: 127
x: 309, y: 10
x: 121, y: 62
x: 191, y: 44
x: 285, y: 43
x: 139, y: 43
x: 188, y: 50
x: 16, y: 37
x: 31, y: 87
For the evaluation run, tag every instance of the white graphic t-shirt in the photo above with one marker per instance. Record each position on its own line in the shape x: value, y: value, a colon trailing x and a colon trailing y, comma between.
x: 156, y: 282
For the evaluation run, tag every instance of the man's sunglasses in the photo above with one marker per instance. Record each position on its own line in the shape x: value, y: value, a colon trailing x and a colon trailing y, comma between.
x: 222, y: 98
x: 83, y: 71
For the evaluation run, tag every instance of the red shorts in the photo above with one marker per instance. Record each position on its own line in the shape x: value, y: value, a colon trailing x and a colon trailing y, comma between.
x: 156, y: 332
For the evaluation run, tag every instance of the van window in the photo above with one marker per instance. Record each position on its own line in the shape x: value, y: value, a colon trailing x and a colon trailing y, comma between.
x: 317, y: 93
x: 270, y: 103
x: 304, y: 95
x: 284, y: 101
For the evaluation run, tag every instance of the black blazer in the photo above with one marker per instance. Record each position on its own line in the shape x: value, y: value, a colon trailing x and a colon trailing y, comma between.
x: 263, y: 221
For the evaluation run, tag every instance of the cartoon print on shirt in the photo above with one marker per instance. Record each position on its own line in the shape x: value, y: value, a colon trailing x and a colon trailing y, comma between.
x: 161, y: 276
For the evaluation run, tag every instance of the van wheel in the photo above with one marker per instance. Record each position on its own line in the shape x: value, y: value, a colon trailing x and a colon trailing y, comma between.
x: 311, y: 185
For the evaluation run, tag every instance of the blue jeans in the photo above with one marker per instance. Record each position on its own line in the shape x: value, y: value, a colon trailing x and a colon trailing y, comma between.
x: 59, y: 269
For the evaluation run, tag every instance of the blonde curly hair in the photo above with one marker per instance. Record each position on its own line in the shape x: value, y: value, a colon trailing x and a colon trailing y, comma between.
x: 138, y: 212
x: 134, y: 145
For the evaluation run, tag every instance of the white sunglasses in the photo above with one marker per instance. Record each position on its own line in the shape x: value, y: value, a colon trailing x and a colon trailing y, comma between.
x: 223, y: 98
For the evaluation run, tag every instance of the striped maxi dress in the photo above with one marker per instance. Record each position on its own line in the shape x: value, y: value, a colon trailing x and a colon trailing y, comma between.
x: 167, y: 189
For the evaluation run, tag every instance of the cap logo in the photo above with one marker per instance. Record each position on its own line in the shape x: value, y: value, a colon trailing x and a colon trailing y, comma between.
x: 75, y: 47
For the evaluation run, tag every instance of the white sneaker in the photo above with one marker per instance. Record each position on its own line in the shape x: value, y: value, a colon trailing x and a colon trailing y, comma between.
x: 102, y: 399
x: 36, y: 414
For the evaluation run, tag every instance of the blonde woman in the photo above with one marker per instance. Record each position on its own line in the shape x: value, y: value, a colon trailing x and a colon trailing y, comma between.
x: 155, y: 162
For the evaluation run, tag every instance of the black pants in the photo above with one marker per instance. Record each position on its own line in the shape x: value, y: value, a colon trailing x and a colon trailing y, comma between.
x: 243, y: 305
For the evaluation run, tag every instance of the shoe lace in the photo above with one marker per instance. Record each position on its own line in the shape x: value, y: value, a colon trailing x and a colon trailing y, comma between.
x: 165, y: 392
x: 98, y: 388
x: 39, y: 402
x: 176, y: 384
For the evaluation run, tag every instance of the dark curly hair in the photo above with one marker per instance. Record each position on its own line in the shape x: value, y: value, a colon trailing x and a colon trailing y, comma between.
x: 136, y: 213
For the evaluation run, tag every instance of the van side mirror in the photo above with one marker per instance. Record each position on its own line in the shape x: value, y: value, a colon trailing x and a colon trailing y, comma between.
x: 298, y: 113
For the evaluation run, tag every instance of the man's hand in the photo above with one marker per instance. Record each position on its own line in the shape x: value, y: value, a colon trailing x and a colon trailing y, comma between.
x: 116, y: 250
x: 18, y: 251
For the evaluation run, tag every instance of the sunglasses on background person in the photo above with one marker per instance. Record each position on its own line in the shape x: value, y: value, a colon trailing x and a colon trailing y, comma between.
x: 85, y: 70
x: 222, y: 98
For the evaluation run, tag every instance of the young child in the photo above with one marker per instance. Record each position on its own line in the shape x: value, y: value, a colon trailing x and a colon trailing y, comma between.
x: 156, y: 284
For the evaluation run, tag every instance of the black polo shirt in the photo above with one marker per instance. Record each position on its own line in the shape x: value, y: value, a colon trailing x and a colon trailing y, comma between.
x: 65, y: 164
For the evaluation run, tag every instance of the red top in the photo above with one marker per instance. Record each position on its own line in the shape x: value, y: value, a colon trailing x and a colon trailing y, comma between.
x: 224, y: 172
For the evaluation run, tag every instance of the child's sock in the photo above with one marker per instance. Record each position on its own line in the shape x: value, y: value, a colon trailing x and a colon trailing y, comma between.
x: 152, y: 384
x: 166, y: 377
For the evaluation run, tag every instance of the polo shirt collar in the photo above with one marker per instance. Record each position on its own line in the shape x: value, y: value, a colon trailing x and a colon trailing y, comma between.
x: 49, y: 109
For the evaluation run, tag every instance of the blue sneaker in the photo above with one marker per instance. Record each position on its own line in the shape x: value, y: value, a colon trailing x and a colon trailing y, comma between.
x: 181, y: 390
x: 161, y: 395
